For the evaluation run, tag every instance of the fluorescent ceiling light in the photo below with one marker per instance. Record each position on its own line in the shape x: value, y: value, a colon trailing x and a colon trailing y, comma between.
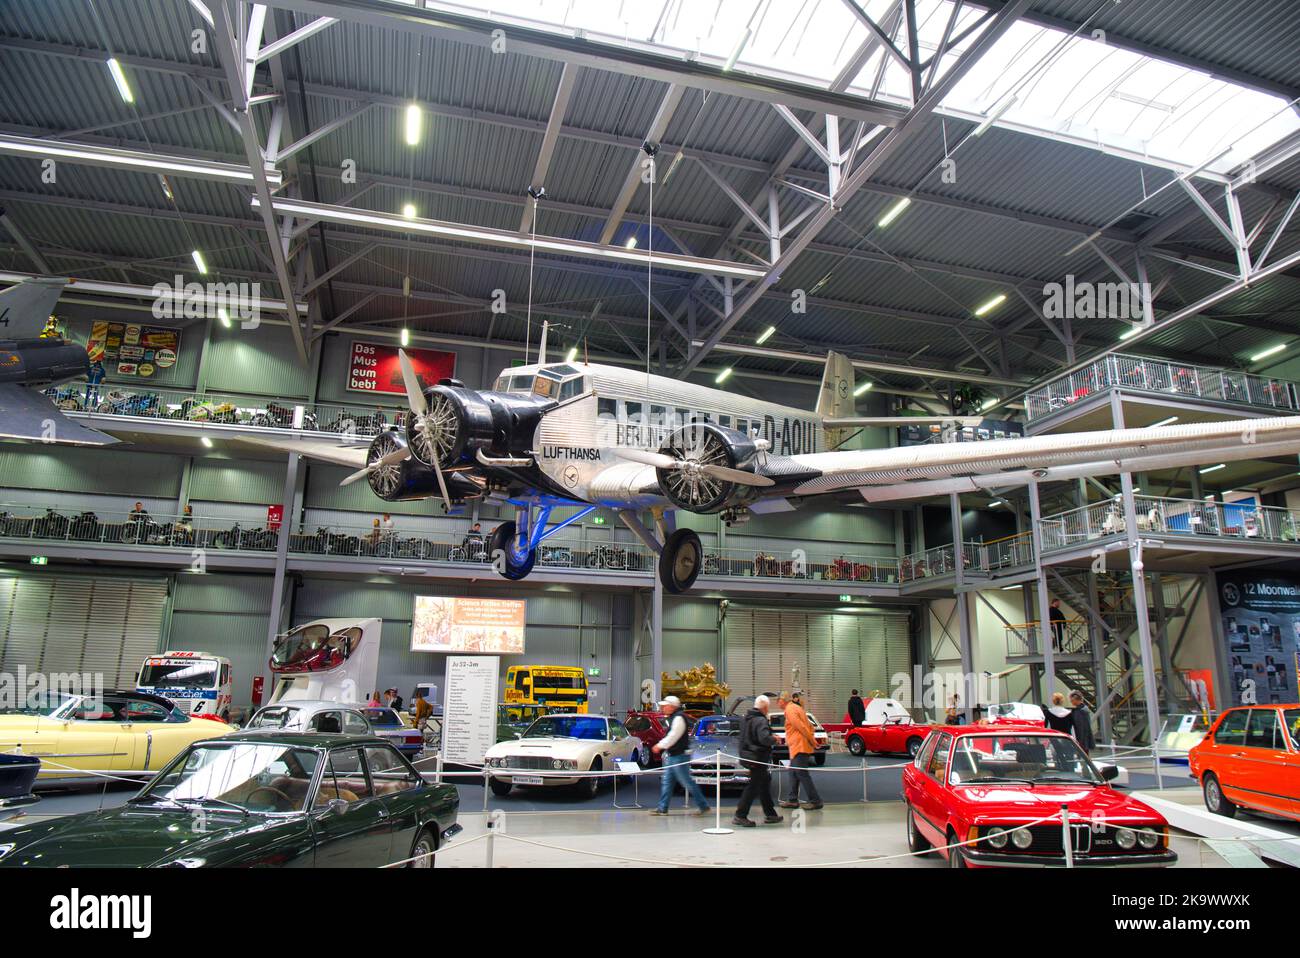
x: 167, y: 187
x: 1130, y: 333
x: 414, y: 120
x: 223, y: 316
x: 738, y: 49
x: 132, y: 160
x: 995, y: 114
x: 119, y: 78
x: 1271, y: 351
x: 722, y: 376
x: 199, y: 263
x: 406, y: 336
x: 1222, y: 465
x: 892, y: 213
x: 765, y: 335
x: 571, y: 355
x: 507, y: 238
x: 631, y: 242
x: 136, y: 291
x: 990, y: 403
x: 863, y: 388
x: 408, y: 210
x: 993, y: 303
x: 206, y: 441
x: 1164, y: 422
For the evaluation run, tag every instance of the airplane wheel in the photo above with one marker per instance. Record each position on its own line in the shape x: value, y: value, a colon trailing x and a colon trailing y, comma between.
x: 502, y: 538
x: 681, y: 561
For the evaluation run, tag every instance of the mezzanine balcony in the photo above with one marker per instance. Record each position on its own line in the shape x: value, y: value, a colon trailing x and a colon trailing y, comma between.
x: 1160, y: 380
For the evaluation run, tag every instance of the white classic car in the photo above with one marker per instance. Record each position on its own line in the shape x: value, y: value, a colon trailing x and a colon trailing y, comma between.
x: 555, y: 744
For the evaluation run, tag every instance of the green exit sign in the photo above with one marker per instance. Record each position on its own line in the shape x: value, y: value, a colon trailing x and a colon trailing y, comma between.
x: 598, y: 520
x: 846, y: 598
x: 40, y: 560
x: 594, y: 673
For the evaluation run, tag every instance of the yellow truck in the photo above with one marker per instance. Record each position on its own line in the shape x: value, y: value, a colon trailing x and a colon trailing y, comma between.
x: 560, y: 688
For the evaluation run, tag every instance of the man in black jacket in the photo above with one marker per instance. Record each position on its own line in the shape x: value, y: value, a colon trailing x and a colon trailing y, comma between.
x: 1082, y: 723
x: 756, y: 741
x: 857, y: 708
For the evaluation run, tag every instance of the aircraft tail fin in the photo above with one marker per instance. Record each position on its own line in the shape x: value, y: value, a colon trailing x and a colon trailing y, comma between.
x: 835, y: 399
x: 25, y: 308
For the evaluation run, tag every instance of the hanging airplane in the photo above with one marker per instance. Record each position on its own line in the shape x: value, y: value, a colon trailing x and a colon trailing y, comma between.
x: 586, y: 435
x: 30, y: 359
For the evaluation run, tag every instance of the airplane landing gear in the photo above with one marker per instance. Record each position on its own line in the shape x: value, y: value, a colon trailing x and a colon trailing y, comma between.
x: 517, y: 563
x: 680, y: 561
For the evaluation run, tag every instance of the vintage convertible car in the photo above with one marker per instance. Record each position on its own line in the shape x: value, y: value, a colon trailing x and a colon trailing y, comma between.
x: 75, y: 735
x: 556, y: 744
x: 257, y: 799
x: 984, y: 785
x: 888, y: 729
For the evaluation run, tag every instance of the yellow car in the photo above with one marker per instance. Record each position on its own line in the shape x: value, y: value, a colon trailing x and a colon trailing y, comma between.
x: 75, y: 735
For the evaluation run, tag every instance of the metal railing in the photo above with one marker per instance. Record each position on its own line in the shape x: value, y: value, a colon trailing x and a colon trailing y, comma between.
x: 129, y: 528
x: 1143, y: 374
x: 170, y: 405
x: 1071, y: 638
x: 798, y: 563
x: 1001, y: 555
x: 1157, y: 515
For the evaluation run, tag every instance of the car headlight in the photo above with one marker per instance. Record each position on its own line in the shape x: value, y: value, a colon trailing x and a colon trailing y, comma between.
x: 997, y: 838
x: 570, y: 763
x: 1021, y: 838
x: 557, y: 763
x: 1125, y: 838
x: 1149, y: 837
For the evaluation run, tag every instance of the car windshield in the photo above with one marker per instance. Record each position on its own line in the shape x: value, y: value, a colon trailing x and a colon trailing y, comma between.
x: 247, y: 776
x: 718, y: 728
x: 568, y: 726
x: 313, y: 648
x: 776, y: 720
x: 44, y: 703
x: 274, y: 716
x: 980, y: 759
x: 384, y: 718
x: 179, y: 675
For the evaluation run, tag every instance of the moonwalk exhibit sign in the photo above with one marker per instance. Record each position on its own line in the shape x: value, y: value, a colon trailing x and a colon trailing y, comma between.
x: 1261, y: 627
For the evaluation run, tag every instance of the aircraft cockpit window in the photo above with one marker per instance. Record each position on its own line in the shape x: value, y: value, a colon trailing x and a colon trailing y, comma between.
x: 546, y: 387
x: 574, y: 387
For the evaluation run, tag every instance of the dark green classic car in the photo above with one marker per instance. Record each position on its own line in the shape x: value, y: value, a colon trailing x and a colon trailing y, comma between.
x: 258, y: 799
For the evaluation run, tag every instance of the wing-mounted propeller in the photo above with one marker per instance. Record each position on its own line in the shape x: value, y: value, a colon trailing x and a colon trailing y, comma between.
x: 703, y: 467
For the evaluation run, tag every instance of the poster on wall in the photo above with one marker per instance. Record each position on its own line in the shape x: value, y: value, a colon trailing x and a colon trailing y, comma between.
x: 132, y: 349
x: 375, y: 368
x: 463, y: 624
x: 1261, y: 627
x: 469, y: 715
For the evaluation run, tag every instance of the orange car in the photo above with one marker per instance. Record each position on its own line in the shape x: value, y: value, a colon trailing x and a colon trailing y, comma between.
x: 1251, y: 759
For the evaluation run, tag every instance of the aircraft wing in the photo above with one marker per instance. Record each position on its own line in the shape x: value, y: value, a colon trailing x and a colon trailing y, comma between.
x: 27, y: 414
x: 341, y: 452
x: 911, y: 471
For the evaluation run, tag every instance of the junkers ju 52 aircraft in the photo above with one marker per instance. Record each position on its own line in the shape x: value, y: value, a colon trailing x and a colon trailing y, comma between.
x: 566, y: 434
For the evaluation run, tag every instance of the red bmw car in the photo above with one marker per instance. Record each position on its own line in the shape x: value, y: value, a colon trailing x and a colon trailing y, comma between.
x: 983, y: 785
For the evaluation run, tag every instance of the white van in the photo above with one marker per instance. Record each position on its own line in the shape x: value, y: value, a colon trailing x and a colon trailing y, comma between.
x: 197, y: 683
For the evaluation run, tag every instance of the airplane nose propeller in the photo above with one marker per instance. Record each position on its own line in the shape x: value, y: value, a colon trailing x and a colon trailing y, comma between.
x: 429, y: 428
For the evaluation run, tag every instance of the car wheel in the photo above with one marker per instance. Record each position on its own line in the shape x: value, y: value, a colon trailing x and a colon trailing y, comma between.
x: 857, y: 747
x: 1214, y: 799
x: 425, y: 845
x: 589, y: 786
x: 499, y: 788
x: 956, y: 857
x: 913, y: 746
x: 916, y: 842
x: 646, y: 758
x: 819, y: 758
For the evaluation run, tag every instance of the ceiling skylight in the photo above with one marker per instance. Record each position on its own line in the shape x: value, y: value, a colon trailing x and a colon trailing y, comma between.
x: 1038, y: 80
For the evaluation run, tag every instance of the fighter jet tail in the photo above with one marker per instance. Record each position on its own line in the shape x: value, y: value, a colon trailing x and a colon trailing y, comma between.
x: 25, y: 308
x: 27, y: 414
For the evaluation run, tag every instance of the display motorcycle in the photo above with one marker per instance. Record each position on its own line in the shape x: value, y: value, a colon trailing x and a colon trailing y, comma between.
x: 555, y: 555
x: 276, y: 416
x: 607, y: 557
x: 118, y: 403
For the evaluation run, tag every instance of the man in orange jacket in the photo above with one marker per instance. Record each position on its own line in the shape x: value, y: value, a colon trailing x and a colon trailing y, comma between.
x: 802, y: 743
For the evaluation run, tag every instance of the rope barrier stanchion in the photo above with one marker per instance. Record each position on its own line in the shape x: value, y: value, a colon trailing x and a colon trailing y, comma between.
x: 1067, y: 842
x: 718, y: 828
x: 487, y: 780
x: 865, y: 798
x: 1155, y: 763
x: 490, y: 842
